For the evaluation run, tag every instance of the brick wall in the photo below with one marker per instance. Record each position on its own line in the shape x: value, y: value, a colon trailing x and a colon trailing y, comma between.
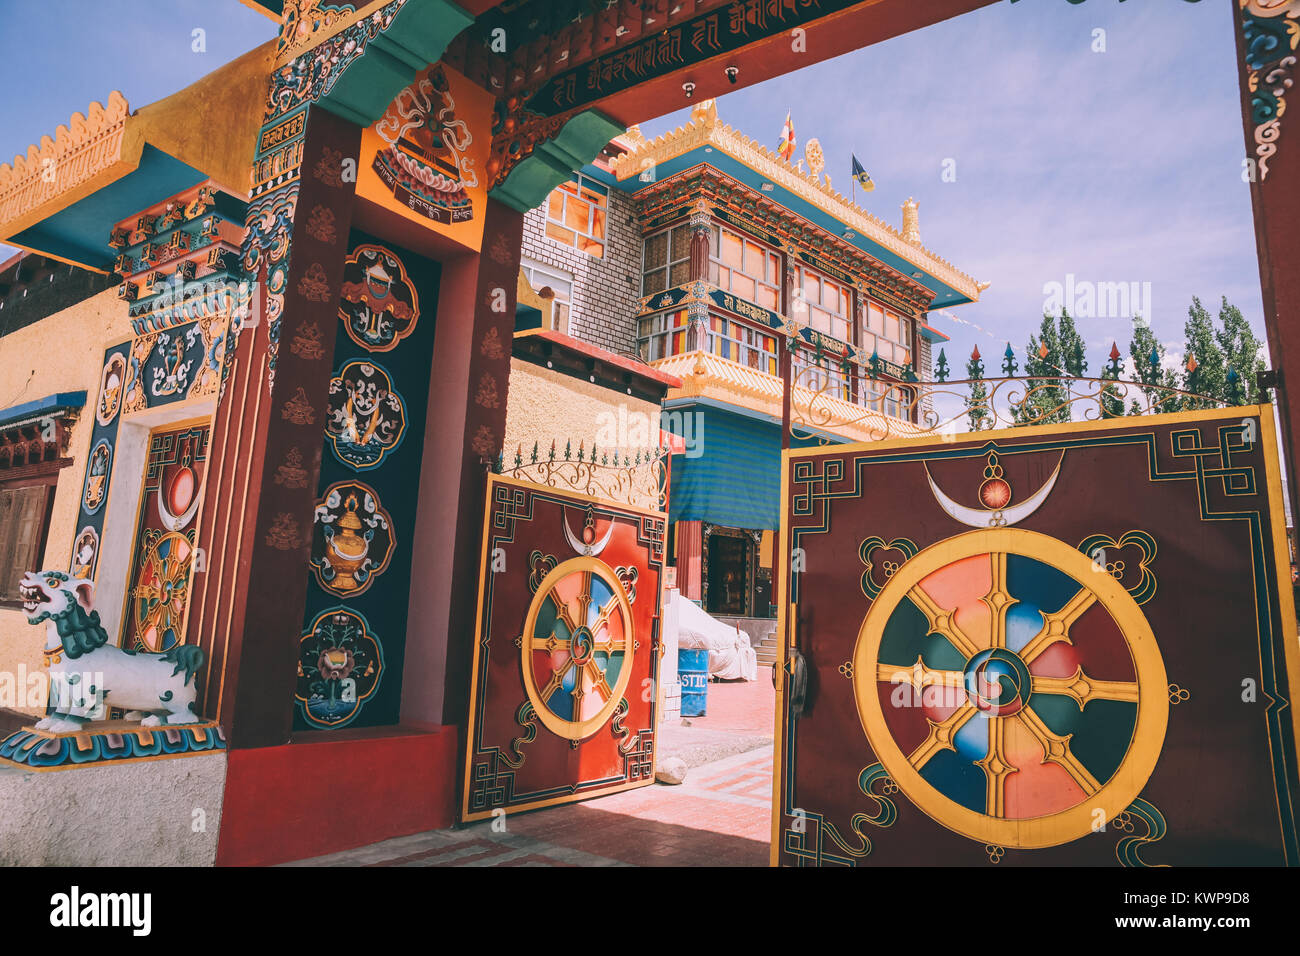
x: 605, y: 302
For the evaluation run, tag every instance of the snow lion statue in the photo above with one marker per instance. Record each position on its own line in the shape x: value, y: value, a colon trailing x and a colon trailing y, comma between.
x: 152, y: 688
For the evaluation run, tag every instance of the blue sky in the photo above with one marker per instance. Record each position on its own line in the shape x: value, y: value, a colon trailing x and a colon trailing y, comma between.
x: 1122, y: 166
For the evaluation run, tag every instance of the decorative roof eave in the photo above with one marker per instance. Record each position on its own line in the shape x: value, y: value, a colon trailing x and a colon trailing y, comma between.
x: 84, y: 156
x: 705, y: 375
x: 651, y: 376
x: 705, y: 129
x: 105, y: 145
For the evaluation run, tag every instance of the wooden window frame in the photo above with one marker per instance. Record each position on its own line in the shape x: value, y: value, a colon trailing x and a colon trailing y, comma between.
x: 44, y: 474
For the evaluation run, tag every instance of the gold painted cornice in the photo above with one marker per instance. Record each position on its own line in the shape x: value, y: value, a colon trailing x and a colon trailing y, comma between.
x: 88, y: 153
x: 705, y: 129
x: 705, y: 375
x: 211, y: 125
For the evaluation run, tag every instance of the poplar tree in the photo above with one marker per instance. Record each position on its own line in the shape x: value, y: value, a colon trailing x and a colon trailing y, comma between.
x: 1056, y: 353
x: 1204, y: 371
x: 1240, y: 351
x: 1141, y: 347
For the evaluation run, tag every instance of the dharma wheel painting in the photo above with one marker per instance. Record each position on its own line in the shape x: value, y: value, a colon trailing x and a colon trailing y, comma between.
x: 567, y: 648
x: 1009, y: 699
x: 164, y: 552
x: 1063, y: 633
x: 580, y: 629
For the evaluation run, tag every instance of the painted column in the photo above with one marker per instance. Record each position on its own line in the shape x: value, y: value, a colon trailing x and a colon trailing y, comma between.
x: 690, y: 555
x: 1266, y: 60
x: 267, y: 440
x: 700, y: 233
x: 464, y: 432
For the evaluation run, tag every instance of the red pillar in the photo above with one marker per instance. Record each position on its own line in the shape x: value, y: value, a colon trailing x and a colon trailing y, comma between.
x: 247, y: 607
x: 1273, y: 152
x: 464, y: 432
x: 690, y: 555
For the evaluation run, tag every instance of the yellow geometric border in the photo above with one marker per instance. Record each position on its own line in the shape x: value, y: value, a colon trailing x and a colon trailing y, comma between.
x: 571, y: 729
x: 1153, y: 703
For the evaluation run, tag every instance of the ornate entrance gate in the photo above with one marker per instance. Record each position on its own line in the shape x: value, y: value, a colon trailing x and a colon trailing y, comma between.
x: 1069, y: 644
x: 566, y: 652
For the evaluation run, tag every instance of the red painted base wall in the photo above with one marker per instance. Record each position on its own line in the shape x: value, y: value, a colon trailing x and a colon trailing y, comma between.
x: 313, y: 797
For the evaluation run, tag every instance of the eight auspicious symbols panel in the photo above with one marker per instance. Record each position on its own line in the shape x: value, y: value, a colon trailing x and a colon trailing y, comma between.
x: 163, y: 563
x: 1069, y: 645
x: 353, y: 639
x: 566, y: 652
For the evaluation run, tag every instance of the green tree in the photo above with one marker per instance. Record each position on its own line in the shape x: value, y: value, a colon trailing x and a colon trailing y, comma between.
x: 1154, y: 377
x: 1052, y: 356
x: 1205, y: 372
x: 1240, y: 351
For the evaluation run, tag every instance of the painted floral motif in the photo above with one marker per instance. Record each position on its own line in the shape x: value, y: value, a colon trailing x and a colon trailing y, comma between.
x: 379, y: 305
x: 84, y: 552
x: 367, y: 417
x: 97, y: 471
x: 352, y: 539
x: 172, y: 375
x: 340, y: 663
x: 110, y: 389
x: 297, y: 409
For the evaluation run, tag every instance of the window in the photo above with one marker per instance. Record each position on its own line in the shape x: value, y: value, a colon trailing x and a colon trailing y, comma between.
x: 826, y: 376
x: 666, y: 260
x: 575, y: 215
x: 824, y: 304
x: 745, y: 268
x: 887, y: 333
x: 662, y: 335
x: 895, y: 400
x: 561, y: 283
x: 25, y: 506
x: 742, y: 343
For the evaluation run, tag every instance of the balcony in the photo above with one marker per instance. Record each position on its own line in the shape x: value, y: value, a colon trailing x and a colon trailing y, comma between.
x: 705, y: 375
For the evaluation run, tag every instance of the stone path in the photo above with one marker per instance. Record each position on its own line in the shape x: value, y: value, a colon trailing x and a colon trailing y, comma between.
x: 719, y: 817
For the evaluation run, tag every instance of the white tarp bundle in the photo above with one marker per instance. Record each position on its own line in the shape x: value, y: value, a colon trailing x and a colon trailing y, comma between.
x: 730, y: 656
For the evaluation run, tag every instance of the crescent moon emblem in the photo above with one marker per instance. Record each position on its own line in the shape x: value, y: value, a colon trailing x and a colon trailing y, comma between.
x: 587, y: 550
x: 980, y: 518
x: 175, y: 522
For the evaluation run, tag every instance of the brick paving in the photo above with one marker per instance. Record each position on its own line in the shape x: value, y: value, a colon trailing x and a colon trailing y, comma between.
x: 719, y: 817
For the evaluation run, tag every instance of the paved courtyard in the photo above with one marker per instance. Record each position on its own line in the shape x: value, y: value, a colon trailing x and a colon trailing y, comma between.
x: 719, y: 817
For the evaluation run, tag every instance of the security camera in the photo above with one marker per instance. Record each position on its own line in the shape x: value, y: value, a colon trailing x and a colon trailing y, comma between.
x: 688, y: 88
x: 732, y: 73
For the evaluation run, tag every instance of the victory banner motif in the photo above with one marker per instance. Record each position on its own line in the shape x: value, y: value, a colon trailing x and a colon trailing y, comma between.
x: 566, y: 652
x: 1066, y: 645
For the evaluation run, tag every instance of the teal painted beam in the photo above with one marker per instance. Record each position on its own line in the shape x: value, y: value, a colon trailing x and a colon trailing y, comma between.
x: 553, y: 162
x: 418, y: 36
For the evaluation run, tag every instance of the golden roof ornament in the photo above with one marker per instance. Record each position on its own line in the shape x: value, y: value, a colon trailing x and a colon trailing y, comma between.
x: 812, y: 151
x: 705, y: 111
x: 911, y: 222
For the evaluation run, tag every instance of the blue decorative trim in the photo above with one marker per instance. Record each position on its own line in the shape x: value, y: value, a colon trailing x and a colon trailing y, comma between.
x: 62, y: 401
x: 40, y: 751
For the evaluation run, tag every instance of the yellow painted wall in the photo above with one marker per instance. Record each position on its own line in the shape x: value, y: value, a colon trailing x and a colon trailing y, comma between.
x: 61, y: 353
x: 546, y: 405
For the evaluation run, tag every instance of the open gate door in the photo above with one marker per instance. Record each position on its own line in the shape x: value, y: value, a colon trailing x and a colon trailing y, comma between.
x: 1071, y: 644
x: 566, y: 653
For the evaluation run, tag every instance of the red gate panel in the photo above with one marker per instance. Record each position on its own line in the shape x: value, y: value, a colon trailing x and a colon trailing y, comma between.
x: 1062, y: 645
x: 565, y: 657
